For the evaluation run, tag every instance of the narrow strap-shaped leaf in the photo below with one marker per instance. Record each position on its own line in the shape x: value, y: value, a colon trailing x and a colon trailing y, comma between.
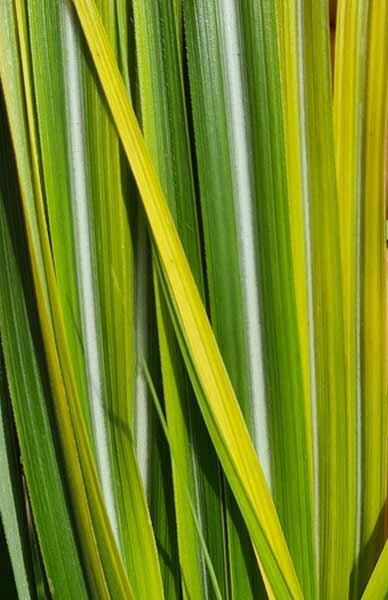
x: 225, y: 191
x: 374, y: 295
x: 271, y: 39
x: 44, y: 34
x: 335, y: 443
x: 218, y: 403
x: 165, y: 129
x: 349, y: 113
x: 226, y: 200
x: 83, y: 256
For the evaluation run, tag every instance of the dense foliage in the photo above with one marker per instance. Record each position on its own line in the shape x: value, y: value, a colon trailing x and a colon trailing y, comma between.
x: 193, y: 327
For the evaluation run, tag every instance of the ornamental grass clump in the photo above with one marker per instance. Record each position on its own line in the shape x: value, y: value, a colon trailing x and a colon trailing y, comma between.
x: 193, y: 327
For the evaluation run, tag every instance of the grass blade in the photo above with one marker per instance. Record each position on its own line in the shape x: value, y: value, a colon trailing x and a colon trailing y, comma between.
x: 165, y: 129
x: 349, y: 112
x: 279, y: 188
x: 44, y: 47
x: 224, y: 172
x: 336, y: 447
x: 84, y: 262
x: 373, y: 296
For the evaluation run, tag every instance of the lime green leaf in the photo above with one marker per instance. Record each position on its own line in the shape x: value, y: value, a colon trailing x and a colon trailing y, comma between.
x: 373, y: 308
x: 360, y: 113
x: 335, y: 408
x: 349, y: 111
